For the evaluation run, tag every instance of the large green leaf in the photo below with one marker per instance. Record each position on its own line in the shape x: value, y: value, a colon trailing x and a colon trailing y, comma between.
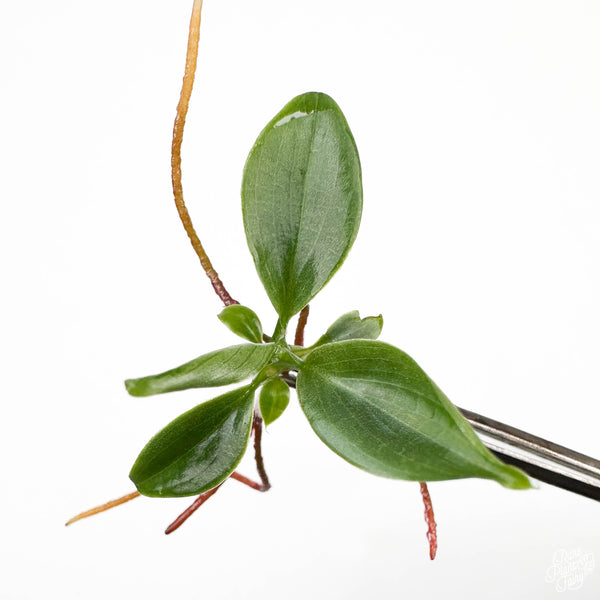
x: 198, y: 450
x: 221, y: 367
x: 301, y: 200
x: 375, y: 407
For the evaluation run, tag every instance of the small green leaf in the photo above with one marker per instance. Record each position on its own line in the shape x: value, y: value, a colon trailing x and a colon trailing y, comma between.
x: 274, y: 398
x: 243, y: 322
x: 375, y: 407
x: 221, y: 367
x: 198, y: 450
x: 351, y: 327
x: 301, y: 200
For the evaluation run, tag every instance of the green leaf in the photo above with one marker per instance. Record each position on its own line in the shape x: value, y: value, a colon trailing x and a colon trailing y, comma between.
x: 274, y: 398
x: 351, y: 327
x: 221, y: 367
x: 301, y: 200
x: 198, y: 450
x: 375, y: 407
x: 243, y: 322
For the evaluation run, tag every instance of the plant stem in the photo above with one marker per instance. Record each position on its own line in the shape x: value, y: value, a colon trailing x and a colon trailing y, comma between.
x: 182, y: 109
x: 202, y: 498
x: 259, y: 487
x: 430, y: 520
x: 258, y: 458
x: 280, y: 330
x: 293, y: 358
x: 302, y: 319
x: 190, y: 510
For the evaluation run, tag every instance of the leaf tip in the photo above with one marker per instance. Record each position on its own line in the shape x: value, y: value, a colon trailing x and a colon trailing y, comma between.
x: 133, y: 388
x: 514, y: 479
x: 312, y: 101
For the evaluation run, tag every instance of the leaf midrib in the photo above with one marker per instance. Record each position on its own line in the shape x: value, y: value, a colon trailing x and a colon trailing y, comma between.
x: 316, y: 116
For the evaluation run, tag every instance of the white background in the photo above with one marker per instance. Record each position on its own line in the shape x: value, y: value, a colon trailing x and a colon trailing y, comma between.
x: 478, y: 127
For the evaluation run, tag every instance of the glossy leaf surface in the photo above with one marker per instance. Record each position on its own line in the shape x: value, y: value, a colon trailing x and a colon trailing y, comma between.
x: 221, y: 367
x: 301, y: 200
x: 243, y: 321
x: 350, y: 327
x: 374, y: 406
x: 274, y: 399
x: 198, y: 450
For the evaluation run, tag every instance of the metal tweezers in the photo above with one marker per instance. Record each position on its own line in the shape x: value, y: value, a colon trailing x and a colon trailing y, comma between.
x: 539, y: 458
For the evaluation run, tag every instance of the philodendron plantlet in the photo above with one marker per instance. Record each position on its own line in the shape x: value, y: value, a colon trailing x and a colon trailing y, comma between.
x: 366, y: 400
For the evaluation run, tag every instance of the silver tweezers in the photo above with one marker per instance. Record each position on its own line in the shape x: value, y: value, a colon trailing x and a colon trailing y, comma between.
x: 539, y: 458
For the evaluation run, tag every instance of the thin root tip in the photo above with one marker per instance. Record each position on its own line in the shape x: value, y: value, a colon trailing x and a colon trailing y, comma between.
x: 103, y: 507
x: 75, y: 519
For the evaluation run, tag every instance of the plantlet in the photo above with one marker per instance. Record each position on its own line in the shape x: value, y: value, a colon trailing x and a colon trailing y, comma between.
x: 366, y: 400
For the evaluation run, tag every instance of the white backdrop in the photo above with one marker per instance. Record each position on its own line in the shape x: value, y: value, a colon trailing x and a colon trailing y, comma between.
x: 478, y: 128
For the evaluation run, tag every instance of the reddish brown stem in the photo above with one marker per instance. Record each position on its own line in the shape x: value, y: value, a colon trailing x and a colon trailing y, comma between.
x: 182, y: 109
x: 298, y: 341
x: 202, y: 498
x: 258, y: 458
x: 430, y: 520
x: 302, y: 319
x: 259, y: 487
x: 190, y: 510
